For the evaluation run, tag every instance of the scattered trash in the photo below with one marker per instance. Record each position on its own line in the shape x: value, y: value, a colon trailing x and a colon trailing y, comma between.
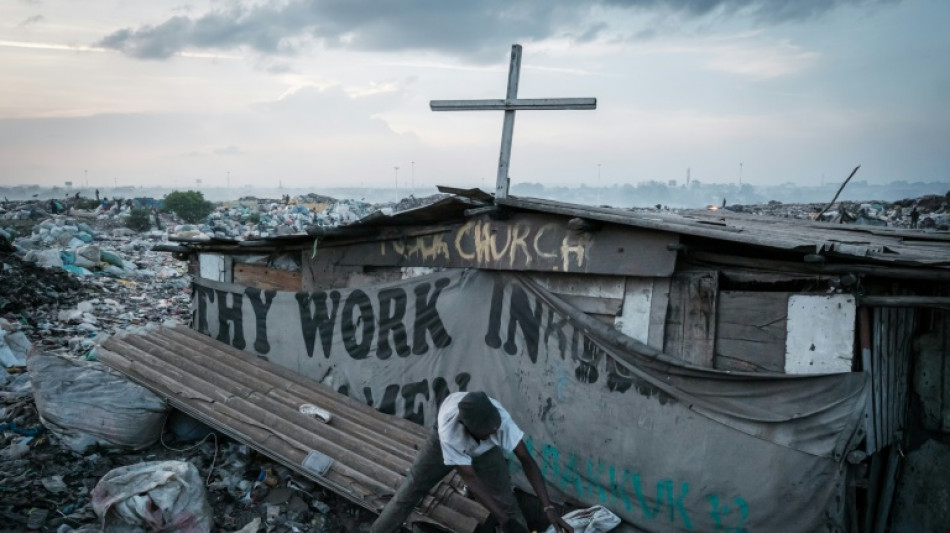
x: 596, y: 519
x: 317, y: 412
x: 155, y: 496
x: 130, y: 287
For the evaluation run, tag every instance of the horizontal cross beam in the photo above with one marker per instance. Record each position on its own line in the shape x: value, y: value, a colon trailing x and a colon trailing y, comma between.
x: 514, y: 104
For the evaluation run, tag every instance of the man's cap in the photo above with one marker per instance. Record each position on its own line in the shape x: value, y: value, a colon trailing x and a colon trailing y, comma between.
x: 478, y: 413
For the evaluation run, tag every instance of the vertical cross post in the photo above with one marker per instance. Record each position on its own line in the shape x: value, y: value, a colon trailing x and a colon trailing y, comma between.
x: 509, y: 105
x: 508, y: 129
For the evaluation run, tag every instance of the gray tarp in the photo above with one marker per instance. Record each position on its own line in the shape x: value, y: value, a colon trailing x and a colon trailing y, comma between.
x: 668, y: 447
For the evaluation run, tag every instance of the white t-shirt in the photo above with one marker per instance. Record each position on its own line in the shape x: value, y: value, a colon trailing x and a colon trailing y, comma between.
x: 458, y: 447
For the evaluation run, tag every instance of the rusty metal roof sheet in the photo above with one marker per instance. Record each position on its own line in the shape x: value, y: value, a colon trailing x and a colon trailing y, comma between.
x: 870, y: 244
x: 361, y: 454
x: 888, y: 245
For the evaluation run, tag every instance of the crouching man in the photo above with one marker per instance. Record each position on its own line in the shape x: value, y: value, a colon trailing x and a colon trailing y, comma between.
x: 472, y: 431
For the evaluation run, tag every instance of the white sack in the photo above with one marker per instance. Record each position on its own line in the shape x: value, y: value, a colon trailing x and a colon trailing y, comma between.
x: 166, y: 496
x: 596, y: 519
x: 86, y: 403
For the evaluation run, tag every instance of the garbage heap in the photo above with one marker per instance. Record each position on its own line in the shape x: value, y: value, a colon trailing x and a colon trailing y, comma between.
x: 82, y: 448
x: 250, y: 218
x: 253, y: 218
x: 930, y: 212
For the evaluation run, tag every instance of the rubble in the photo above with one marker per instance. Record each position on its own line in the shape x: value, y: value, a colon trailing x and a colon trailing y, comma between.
x: 933, y: 212
x: 253, y: 218
x: 54, y: 305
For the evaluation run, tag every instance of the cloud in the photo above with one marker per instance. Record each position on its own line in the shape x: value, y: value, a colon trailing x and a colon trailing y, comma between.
x: 35, y: 19
x: 761, y: 62
x: 763, y: 11
x: 229, y: 150
x: 469, y: 29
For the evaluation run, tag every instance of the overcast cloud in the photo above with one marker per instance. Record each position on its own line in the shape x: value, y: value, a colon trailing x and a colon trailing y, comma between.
x: 314, y: 92
x: 468, y: 29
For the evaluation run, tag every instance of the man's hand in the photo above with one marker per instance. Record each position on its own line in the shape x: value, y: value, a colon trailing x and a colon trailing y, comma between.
x: 560, y: 526
x: 514, y: 526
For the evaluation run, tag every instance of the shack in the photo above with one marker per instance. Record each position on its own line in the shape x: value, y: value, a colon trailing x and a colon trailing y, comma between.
x: 704, y: 371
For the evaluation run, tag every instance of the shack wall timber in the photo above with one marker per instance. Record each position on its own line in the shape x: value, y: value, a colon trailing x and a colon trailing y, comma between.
x: 643, y: 316
x: 820, y: 333
x: 264, y: 277
x: 525, y: 242
x: 751, y: 331
x: 690, y: 333
x: 216, y: 267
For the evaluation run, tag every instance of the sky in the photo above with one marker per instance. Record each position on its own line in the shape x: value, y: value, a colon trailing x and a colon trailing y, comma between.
x: 329, y: 93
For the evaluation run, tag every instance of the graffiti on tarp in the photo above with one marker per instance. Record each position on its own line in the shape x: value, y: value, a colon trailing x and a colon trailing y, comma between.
x: 327, y: 313
x: 382, y: 323
x: 485, y: 242
x: 531, y: 321
x: 413, y: 409
x: 615, y: 486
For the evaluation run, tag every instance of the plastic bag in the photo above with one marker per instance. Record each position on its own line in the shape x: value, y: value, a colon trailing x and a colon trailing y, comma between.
x: 166, y: 496
x: 596, y: 519
x: 86, y: 403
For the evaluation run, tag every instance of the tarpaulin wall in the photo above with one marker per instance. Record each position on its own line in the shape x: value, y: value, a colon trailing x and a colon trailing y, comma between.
x: 611, y: 421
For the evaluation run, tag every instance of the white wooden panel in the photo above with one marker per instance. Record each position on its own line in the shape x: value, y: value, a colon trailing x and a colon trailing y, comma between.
x: 820, y: 337
x: 643, y: 316
x: 212, y: 266
x: 634, y: 319
x: 583, y: 285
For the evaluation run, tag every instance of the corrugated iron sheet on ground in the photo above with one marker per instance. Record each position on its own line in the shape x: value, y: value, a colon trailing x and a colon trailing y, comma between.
x: 360, y: 454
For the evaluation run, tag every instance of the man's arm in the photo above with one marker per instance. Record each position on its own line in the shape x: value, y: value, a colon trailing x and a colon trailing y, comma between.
x: 533, y: 473
x: 481, y: 492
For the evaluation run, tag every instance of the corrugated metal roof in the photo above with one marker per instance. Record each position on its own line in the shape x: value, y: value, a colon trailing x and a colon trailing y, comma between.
x: 258, y: 403
x: 864, y: 243
x: 905, y: 247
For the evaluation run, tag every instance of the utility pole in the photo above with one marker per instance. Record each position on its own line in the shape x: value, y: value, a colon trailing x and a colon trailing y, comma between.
x: 412, y: 182
x: 397, y: 183
x: 740, y: 173
x: 598, y: 184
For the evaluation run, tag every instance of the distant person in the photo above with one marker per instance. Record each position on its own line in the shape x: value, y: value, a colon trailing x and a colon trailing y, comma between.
x: 914, y: 217
x: 77, y: 195
x: 724, y: 202
x: 97, y: 195
x: 53, y: 208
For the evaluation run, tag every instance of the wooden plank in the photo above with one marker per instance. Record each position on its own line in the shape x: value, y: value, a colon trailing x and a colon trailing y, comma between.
x: 634, y: 319
x: 659, y: 304
x: 905, y: 301
x: 323, y: 271
x: 820, y: 333
x: 751, y: 330
x: 594, y: 305
x: 263, y: 277
x: 643, y: 315
x: 611, y: 287
x: 601, y: 295
x: 524, y: 242
x: 514, y: 104
x: 691, y: 318
x: 880, y: 397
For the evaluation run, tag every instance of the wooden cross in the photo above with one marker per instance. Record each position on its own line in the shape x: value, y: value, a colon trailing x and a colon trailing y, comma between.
x: 509, y: 105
